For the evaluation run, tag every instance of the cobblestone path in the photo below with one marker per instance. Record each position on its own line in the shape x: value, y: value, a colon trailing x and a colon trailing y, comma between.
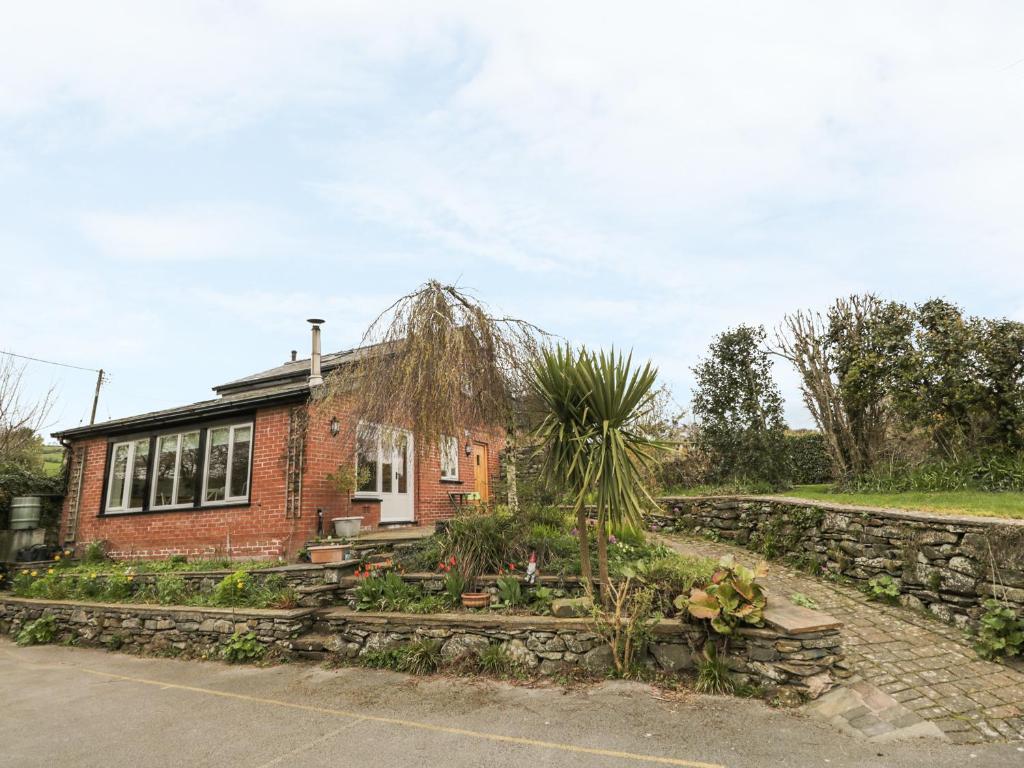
x: 910, y: 674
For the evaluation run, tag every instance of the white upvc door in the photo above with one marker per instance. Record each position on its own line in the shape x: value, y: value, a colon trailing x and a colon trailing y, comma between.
x: 389, y: 459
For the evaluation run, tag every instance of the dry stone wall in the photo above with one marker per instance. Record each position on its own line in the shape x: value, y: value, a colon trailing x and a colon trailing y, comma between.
x: 769, y: 657
x: 948, y: 565
x: 169, y: 630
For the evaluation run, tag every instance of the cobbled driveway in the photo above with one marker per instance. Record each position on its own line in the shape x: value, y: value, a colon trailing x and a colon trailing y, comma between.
x: 908, y: 669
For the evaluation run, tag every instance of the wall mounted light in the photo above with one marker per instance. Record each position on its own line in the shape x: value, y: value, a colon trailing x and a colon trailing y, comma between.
x: 469, y: 448
x: 335, y: 426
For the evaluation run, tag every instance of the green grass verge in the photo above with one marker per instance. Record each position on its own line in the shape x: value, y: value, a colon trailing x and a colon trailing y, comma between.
x: 983, y: 503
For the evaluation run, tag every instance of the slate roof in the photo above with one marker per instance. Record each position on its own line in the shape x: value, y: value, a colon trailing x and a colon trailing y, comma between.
x: 283, y: 383
x: 225, y: 405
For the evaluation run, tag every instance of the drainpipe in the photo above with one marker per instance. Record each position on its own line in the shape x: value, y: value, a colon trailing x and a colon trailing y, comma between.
x: 315, y: 379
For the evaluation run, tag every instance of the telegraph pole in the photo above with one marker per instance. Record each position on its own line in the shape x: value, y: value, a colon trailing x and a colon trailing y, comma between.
x: 96, y: 396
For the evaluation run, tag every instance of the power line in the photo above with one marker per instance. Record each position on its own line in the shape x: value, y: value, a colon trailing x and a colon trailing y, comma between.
x: 50, y: 362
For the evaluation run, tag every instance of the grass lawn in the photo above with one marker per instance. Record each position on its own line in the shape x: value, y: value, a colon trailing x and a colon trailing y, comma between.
x: 1007, y: 504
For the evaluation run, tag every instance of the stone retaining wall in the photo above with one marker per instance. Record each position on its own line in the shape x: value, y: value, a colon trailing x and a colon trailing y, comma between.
x: 943, y: 563
x: 171, y: 630
x: 794, y: 663
x: 433, y: 584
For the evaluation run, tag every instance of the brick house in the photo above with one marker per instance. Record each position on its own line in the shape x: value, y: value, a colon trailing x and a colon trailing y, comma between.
x: 251, y: 472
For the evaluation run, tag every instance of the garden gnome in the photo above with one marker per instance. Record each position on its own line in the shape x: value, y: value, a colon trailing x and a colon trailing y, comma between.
x: 531, y: 569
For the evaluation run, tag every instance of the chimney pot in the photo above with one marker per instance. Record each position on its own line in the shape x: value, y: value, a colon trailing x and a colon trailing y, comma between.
x: 315, y: 378
x: 294, y: 353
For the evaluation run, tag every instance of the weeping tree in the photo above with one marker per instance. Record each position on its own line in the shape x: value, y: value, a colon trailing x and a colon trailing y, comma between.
x: 594, y: 440
x: 436, y: 362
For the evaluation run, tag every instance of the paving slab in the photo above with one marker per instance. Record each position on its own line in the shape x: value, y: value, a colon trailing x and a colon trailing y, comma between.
x: 898, y: 657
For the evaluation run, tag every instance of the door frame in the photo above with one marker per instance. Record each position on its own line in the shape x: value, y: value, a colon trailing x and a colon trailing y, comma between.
x: 485, y: 452
x: 395, y: 507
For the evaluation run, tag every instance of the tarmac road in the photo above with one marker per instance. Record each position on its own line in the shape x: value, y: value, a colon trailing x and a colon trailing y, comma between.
x: 82, y: 707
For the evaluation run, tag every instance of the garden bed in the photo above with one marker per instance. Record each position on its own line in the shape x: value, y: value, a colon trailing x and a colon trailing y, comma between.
x: 257, y: 587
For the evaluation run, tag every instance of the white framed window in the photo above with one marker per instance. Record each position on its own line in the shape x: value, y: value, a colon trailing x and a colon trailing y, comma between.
x: 228, y: 458
x: 449, y: 458
x: 129, y: 470
x: 174, y: 471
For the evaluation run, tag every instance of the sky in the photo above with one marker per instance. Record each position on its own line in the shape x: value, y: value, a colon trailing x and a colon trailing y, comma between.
x: 182, y: 184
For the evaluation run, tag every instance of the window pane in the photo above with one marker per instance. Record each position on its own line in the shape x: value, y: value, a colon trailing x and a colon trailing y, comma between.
x: 240, y: 462
x: 118, y: 467
x: 166, y: 461
x: 217, y: 466
x: 366, y: 464
x: 402, y: 449
x: 385, y: 477
x: 139, y: 470
x: 187, y: 468
x: 450, y: 458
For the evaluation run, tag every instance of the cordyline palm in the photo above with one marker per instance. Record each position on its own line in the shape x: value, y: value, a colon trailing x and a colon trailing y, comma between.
x: 592, y: 439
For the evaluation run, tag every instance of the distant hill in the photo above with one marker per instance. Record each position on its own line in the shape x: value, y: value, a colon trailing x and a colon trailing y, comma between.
x: 53, y: 458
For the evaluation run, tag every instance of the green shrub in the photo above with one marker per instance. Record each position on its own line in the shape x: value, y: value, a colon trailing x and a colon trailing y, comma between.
x: 95, y: 552
x: 387, y: 592
x: 799, y: 598
x: 383, y: 658
x: 986, y: 472
x: 242, y: 647
x: 809, y: 456
x: 39, y: 632
x: 454, y: 586
x: 236, y: 589
x: 1000, y: 631
x: 118, y: 587
x: 732, y: 598
x: 883, y: 588
x: 428, y: 604
x: 170, y: 589
x: 510, y: 592
x: 670, y: 575
x: 541, y: 599
x: 51, y: 586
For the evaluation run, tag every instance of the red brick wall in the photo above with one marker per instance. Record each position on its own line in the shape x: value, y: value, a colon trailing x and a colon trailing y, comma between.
x: 258, y: 529
x: 261, y: 529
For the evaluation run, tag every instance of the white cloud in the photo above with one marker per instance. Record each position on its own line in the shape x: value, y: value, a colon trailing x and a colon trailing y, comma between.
x: 190, y: 234
x: 651, y: 171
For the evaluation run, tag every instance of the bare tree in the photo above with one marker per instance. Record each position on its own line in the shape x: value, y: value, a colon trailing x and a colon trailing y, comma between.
x: 801, y: 340
x: 20, y: 417
x: 848, y: 362
x: 437, y: 362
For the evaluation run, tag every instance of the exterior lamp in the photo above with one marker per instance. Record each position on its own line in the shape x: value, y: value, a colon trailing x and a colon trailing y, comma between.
x: 469, y: 448
x: 335, y: 426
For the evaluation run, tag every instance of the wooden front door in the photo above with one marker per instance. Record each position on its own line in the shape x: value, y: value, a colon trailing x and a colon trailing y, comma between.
x: 480, y: 476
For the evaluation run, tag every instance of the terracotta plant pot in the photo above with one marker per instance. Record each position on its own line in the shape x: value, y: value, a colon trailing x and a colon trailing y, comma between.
x: 476, y: 599
x: 330, y: 553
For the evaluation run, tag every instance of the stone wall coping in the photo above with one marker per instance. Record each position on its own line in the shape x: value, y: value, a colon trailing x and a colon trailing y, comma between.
x: 471, y: 620
x: 797, y: 620
x: 938, y: 518
x: 293, y: 568
x: 514, y: 623
x: 487, y: 578
x: 146, y: 609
